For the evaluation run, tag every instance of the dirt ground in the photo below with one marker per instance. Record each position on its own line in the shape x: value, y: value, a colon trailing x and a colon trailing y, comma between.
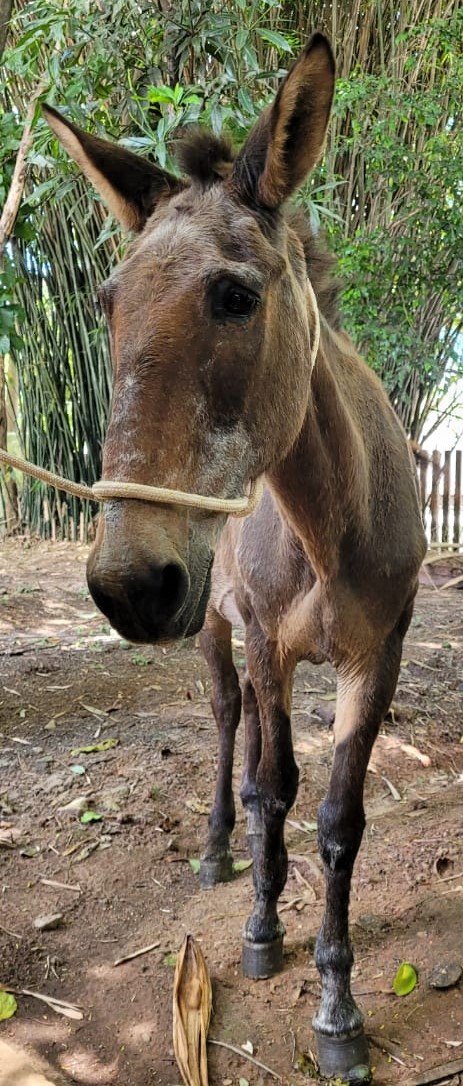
x: 66, y: 682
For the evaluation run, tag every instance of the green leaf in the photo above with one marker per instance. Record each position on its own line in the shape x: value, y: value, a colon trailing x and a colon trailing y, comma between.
x: 241, y: 865
x: 170, y: 959
x: 78, y: 770
x: 405, y: 979
x: 96, y: 748
x: 246, y: 102
x: 195, y: 866
x: 8, y: 1006
x: 275, y: 39
x: 90, y: 816
x: 161, y: 94
x: 140, y: 659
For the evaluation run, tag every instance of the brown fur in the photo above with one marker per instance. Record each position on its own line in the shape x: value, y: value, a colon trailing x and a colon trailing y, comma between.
x: 206, y: 158
x: 215, y: 383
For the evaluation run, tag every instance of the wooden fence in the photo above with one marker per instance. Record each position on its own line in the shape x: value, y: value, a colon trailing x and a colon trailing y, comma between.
x: 440, y: 479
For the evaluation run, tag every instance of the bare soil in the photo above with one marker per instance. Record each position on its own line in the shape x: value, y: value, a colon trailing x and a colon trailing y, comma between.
x: 66, y: 681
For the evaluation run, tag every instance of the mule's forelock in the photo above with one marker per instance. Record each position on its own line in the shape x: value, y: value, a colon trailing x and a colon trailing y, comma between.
x: 204, y: 157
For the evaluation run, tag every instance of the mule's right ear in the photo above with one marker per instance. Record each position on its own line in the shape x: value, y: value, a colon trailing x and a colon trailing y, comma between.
x: 130, y: 185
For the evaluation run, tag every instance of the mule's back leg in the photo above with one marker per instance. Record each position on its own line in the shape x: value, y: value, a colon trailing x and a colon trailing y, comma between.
x: 363, y: 699
x: 215, y: 643
x: 276, y: 783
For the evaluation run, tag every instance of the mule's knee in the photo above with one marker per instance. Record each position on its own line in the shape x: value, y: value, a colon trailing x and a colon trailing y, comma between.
x: 339, y: 834
x: 277, y: 789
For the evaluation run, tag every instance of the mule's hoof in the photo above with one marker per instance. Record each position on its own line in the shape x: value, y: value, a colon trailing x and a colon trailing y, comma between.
x: 260, y: 960
x: 344, y: 1058
x: 213, y: 871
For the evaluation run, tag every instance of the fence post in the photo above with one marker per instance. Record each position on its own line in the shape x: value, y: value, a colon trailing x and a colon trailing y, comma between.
x: 457, y: 498
x: 434, y: 502
x: 446, y: 498
x: 423, y: 466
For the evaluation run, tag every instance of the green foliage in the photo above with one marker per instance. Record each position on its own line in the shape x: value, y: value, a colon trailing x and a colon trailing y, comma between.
x: 400, y: 138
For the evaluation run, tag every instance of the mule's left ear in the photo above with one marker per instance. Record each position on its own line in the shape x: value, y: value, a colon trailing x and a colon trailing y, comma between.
x: 130, y: 185
x: 289, y: 137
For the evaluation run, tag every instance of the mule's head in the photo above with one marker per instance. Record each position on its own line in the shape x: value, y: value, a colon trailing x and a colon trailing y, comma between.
x: 211, y: 336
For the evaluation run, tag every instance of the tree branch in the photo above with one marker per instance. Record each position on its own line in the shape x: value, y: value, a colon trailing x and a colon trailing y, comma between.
x: 13, y: 200
x: 5, y: 16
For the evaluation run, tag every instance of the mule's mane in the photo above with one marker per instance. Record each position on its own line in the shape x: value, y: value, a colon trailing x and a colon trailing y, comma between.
x: 206, y: 158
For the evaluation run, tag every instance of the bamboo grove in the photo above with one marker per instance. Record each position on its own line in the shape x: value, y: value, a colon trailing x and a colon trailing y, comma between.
x: 388, y: 192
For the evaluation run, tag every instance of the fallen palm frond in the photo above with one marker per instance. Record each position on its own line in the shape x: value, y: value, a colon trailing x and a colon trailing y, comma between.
x: 192, y: 1004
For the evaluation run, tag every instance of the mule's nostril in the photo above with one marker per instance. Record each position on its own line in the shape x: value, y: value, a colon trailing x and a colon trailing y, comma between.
x: 174, y: 587
x: 141, y: 603
x: 161, y: 590
x: 105, y: 602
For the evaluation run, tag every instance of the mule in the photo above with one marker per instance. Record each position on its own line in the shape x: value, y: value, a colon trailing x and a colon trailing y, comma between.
x: 228, y: 366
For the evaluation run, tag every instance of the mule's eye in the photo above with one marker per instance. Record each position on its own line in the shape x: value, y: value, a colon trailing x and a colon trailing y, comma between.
x: 231, y: 301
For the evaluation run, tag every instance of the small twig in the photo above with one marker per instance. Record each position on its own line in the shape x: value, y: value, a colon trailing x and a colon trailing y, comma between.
x: 293, y: 1054
x: 290, y: 904
x: 14, y: 934
x: 137, y: 953
x: 61, y: 885
x: 436, y: 1074
x: 451, y: 584
x: 384, y: 1046
x: 69, y: 1010
x: 245, y: 1056
x: 393, y: 790
x: 91, y: 709
x: 414, y: 1009
x: 451, y: 878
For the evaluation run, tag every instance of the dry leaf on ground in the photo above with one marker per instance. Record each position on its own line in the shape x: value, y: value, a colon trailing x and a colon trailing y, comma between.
x: 192, y: 1004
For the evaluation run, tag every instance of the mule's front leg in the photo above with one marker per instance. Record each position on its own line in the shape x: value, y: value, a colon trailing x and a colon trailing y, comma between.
x: 215, y: 642
x: 276, y: 788
x: 362, y: 703
x: 252, y: 755
x: 342, y: 1047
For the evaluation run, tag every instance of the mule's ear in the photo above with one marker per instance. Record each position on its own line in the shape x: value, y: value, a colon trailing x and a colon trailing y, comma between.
x: 289, y: 137
x: 129, y: 184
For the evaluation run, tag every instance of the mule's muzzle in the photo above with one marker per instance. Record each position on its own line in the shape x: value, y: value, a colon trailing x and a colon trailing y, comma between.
x: 150, y: 605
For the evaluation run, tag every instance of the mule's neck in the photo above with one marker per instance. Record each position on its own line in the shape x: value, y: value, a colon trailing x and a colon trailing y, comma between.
x: 322, y: 483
